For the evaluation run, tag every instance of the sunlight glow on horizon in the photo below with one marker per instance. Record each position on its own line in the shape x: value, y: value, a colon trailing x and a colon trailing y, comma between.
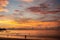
x: 31, y: 23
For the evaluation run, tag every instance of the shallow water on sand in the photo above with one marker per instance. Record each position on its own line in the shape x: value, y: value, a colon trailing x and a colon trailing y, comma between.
x: 31, y: 34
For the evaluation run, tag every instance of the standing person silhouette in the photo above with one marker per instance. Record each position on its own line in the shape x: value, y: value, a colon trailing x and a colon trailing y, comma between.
x: 25, y: 36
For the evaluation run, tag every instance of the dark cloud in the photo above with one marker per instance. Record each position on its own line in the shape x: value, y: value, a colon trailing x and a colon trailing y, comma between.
x: 46, y: 10
x: 34, y: 9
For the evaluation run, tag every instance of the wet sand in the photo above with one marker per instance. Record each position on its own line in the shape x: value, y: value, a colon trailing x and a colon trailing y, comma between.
x: 30, y: 35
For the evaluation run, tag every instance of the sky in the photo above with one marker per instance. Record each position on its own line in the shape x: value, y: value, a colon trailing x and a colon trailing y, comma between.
x: 20, y: 6
x: 23, y: 10
x: 29, y: 14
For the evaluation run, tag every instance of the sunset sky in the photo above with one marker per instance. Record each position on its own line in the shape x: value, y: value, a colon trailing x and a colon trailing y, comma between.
x: 32, y: 12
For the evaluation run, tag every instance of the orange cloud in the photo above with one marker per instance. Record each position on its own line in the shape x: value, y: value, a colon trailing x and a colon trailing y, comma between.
x: 28, y: 0
x: 6, y: 10
x: 28, y: 24
x: 3, y: 10
x: 3, y: 4
x: 35, y: 23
